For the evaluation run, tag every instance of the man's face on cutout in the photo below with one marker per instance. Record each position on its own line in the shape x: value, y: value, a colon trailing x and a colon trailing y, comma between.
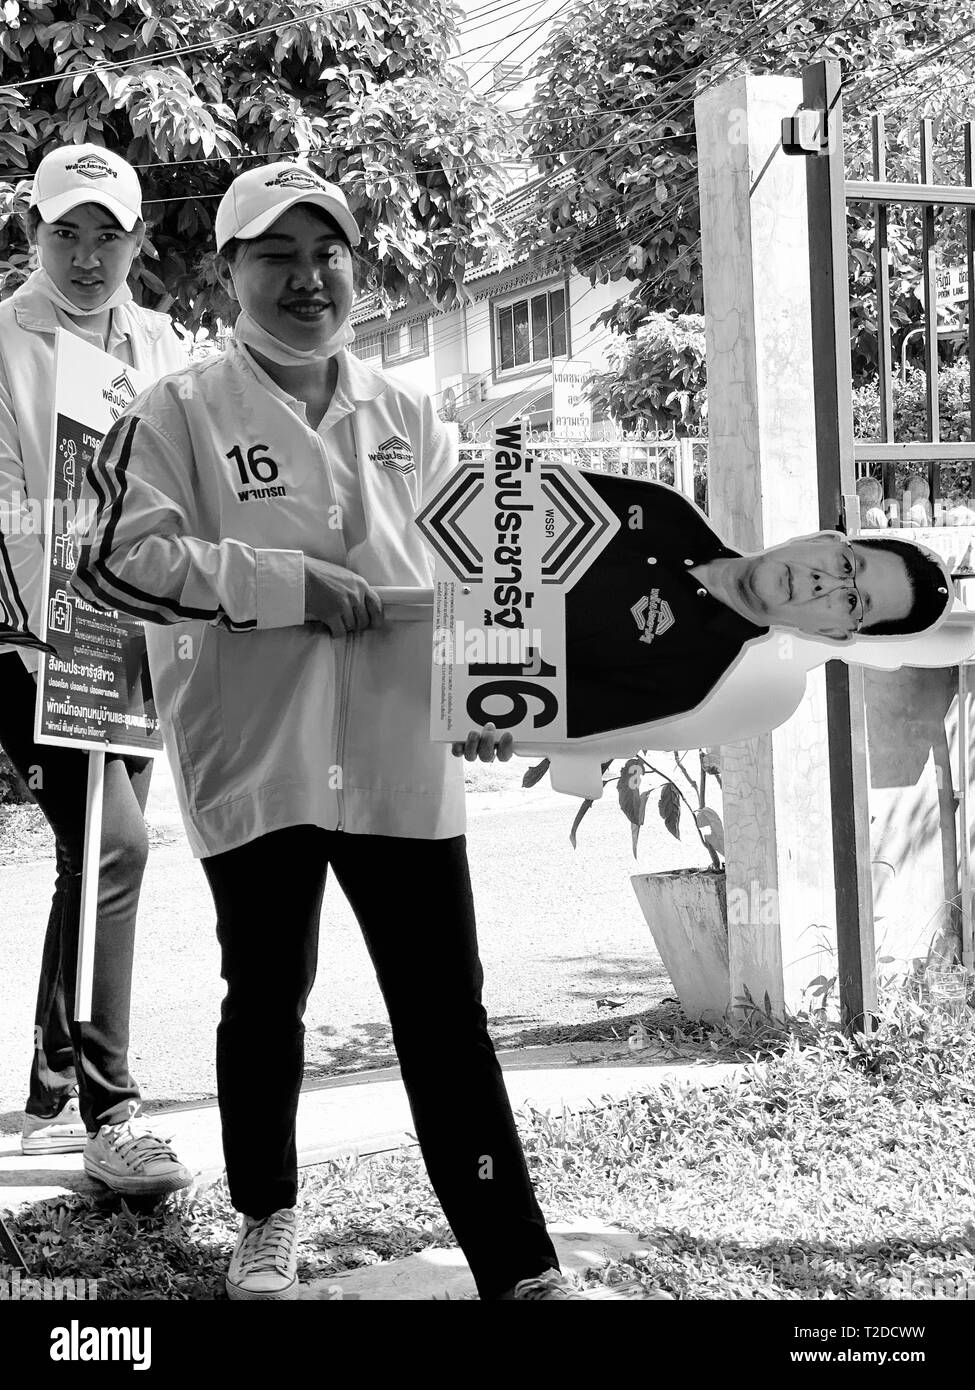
x: 826, y: 586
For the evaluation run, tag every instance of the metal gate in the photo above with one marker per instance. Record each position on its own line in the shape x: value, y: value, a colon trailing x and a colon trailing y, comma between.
x: 829, y: 193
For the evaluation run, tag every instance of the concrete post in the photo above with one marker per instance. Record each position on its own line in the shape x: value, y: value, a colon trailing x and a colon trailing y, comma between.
x: 763, y: 489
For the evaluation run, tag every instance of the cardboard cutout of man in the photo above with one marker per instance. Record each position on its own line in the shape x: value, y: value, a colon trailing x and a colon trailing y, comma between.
x: 658, y: 621
x: 674, y: 639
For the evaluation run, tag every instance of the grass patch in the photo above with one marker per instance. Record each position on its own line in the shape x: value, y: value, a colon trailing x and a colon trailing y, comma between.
x: 353, y: 1214
x: 831, y: 1169
x: 25, y: 835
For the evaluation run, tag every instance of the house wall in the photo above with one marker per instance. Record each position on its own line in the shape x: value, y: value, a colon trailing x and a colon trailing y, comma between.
x: 418, y: 372
x: 587, y: 343
x: 590, y: 340
x: 461, y: 340
x: 450, y: 350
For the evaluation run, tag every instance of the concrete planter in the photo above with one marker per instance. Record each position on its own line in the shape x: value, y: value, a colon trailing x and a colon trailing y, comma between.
x: 686, y: 911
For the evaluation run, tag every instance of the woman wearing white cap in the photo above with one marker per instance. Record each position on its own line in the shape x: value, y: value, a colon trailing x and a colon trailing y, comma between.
x: 85, y: 225
x: 250, y: 506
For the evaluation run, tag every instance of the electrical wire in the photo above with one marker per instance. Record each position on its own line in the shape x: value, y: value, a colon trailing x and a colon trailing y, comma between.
x: 556, y: 174
x: 166, y: 54
x: 524, y: 263
x: 542, y: 24
x: 682, y: 102
x: 919, y: 61
x: 530, y: 263
x: 498, y: 11
x: 455, y: 336
x: 783, y: 7
x: 560, y: 171
x: 587, y: 343
x: 512, y: 33
x: 660, y: 117
x: 162, y: 166
x: 870, y: 93
x: 665, y: 115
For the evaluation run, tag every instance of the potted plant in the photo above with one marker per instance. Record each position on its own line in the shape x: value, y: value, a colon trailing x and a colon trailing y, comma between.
x: 685, y: 909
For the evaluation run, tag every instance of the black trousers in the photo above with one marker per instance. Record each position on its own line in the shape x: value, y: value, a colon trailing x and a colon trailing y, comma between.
x: 90, y: 1056
x: 413, y: 901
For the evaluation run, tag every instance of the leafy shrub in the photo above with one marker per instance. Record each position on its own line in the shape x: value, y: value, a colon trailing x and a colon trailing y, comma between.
x: 910, y: 419
x: 657, y: 375
x: 633, y: 799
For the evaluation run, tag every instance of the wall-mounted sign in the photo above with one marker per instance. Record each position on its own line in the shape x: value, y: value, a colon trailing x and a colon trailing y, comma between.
x: 571, y: 406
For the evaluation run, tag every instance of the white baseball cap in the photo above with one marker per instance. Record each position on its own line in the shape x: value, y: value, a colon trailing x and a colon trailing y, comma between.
x: 75, y: 174
x: 256, y: 199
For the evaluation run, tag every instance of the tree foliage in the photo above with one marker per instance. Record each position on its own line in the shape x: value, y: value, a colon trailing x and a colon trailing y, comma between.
x: 659, y: 373
x: 365, y: 93
x: 615, y: 107
x: 656, y: 375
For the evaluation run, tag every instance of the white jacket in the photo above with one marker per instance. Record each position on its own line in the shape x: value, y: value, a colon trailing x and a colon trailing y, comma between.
x: 140, y: 337
x: 212, y: 488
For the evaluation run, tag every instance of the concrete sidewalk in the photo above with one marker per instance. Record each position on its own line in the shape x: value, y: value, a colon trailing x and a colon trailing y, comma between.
x: 367, y: 1113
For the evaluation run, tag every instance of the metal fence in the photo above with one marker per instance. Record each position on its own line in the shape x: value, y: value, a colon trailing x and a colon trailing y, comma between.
x: 916, y: 500
x: 679, y: 461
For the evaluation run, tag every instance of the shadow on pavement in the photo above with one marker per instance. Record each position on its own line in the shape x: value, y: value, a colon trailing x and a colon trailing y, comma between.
x: 47, y: 1176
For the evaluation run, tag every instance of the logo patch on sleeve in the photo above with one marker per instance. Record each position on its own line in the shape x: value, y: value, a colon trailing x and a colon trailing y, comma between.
x: 652, y: 615
x: 396, y: 454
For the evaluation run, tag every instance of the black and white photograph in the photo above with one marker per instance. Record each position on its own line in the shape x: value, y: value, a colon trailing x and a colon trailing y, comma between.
x: 487, y: 658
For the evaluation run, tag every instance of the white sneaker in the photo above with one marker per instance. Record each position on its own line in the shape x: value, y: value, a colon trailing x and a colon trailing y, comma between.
x: 265, y: 1259
x: 129, y: 1158
x: 63, y: 1133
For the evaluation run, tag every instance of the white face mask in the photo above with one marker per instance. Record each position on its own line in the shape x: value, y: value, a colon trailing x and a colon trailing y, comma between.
x: 249, y: 332
x: 40, y: 280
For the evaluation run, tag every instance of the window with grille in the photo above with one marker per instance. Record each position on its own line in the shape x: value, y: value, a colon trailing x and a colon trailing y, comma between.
x: 369, y: 347
x: 531, y: 330
x: 405, y: 341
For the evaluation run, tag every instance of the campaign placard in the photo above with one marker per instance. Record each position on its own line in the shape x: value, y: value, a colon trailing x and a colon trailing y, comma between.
x: 511, y: 535
x: 95, y: 691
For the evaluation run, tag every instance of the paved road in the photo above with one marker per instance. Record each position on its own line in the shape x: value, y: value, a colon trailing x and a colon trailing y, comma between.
x: 559, y: 929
